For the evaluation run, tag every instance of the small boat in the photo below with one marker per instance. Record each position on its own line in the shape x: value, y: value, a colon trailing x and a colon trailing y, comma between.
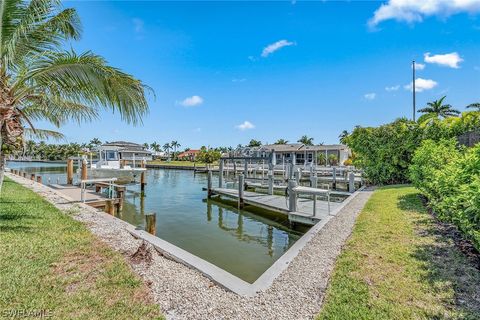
x: 113, y: 159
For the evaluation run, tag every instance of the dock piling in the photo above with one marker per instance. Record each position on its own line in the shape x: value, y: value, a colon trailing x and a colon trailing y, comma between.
x: 150, y: 223
x: 209, y: 183
x: 32, y: 176
x: 109, y: 207
x: 69, y: 171
x: 351, y: 182
x: 220, y: 174
x: 334, y: 173
x: 142, y: 178
x: 84, y: 170
x: 241, y: 188
x: 292, y: 197
x: 39, y: 179
x: 270, y: 182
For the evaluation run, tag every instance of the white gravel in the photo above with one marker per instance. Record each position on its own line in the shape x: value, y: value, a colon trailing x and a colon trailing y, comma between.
x: 184, y: 293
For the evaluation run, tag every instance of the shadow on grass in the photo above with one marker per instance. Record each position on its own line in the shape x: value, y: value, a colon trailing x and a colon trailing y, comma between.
x: 445, y: 266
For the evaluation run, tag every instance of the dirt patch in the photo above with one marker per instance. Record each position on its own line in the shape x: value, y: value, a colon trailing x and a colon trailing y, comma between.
x: 142, y: 255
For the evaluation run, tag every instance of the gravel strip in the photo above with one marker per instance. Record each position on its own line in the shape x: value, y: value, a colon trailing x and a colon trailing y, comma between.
x: 184, y: 293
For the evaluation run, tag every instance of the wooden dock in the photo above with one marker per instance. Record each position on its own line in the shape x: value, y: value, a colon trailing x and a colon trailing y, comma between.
x: 91, y: 197
x: 304, y: 211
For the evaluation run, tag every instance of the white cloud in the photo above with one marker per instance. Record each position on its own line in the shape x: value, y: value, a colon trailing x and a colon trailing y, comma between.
x: 392, y: 88
x: 271, y: 48
x: 138, y: 25
x: 415, y: 10
x: 191, y: 101
x: 421, y: 85
x: 449, y: 59
x: 419, y: 66
x: 370, y: 96
x: 245, y: 125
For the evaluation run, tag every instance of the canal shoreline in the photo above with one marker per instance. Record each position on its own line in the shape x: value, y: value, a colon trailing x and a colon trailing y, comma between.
x: 184, y: 293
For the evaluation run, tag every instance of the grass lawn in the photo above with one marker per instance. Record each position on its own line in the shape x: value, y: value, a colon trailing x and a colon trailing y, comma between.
x: 398, y: 264
x: 51, y: 263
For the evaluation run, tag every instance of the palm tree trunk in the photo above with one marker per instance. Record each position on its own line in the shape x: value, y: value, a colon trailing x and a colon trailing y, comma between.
x: 2, y: 163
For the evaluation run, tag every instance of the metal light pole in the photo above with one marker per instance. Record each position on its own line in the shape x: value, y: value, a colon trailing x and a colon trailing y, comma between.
x: 413, y: 88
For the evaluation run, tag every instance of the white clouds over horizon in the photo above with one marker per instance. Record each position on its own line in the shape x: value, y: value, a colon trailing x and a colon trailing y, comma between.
x: 451, y: 60
x: 370, y: 96
x: 419, y: 66
x: 421, y: 85
x: 411, y: 11
x: 246, y: 125
x: 271, y: 48
x: 191, y: 101
x: 392, y: 88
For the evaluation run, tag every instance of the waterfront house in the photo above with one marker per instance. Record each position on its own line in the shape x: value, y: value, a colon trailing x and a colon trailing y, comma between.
x: 123, y: 150
x: 188, y: 155
x: 297, y: 153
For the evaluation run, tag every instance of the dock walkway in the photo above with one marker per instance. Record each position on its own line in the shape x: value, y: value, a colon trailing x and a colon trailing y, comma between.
x: 303, y: 214
x: 92, y: 198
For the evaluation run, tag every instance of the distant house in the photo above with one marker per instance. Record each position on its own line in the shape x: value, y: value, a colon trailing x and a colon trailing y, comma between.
x: 188, y: 155
x: 123, y: 150
x: 298, y: 153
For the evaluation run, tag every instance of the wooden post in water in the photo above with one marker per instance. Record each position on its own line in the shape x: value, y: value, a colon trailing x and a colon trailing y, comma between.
x: 220, y: 174
x: 209, y: 183
x: 241, y: 189
x: 39, y: 179
x: 334, y: 173
x: 84, y: 170
x: 24, y: 174
x: 32, y: 176
x: 150, y: 223
x: 351, y: 182
x: 292, y: 197
x: 70, y: 171
x: 143, y: 181
x: 109, y: 207
x: 270, y: 182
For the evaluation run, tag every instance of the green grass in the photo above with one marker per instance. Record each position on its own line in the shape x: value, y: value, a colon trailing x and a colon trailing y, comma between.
x: 398, y: 264
x: 53, y: 263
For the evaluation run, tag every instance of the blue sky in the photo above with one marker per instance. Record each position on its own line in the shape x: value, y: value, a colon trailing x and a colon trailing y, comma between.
x: 226, y: 72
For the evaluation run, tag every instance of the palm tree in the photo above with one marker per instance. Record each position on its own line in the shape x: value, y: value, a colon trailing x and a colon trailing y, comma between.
x: 39, y: 80
x: 436, y: 110
x: 145, y: 145
x: 475, y: 105
x: 166, y: 148
x: 95, y: 142
x: 174, y: 144
x: 343, y: 137
x: 306, y: 140
x: 155, y: 147
x: 281, y: 141
x: 255, y: 143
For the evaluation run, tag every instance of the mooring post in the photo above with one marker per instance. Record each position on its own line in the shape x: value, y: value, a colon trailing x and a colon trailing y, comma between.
x: 39, y: 179
x: 150, y: 223
x: 70, y: 171
x: 241, y: 188
x: 314, y: 180
x: 209, y: 183
x: 270, y: 182
x: 109, y: 208
x: 297, y: 176
x: 220, y: 174
x: 351, y: 182
x: 84, y: 170
x: 24, y: 174
x: 292, y: 197
x: 32, y: 176
x: 142, y: 178
x: 334, y: 173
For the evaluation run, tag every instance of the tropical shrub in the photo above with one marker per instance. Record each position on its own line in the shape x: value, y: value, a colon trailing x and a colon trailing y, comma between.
x: 450, y: 179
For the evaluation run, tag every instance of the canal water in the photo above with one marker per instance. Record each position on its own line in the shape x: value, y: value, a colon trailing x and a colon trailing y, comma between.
x: 241, y: 242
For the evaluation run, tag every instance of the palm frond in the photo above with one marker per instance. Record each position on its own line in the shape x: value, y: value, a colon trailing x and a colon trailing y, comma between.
x: 87, y: 79
x: 43, y: 134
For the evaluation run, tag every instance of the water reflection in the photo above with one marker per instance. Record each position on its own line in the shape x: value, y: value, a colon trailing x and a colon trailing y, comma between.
x: 244, y: 243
